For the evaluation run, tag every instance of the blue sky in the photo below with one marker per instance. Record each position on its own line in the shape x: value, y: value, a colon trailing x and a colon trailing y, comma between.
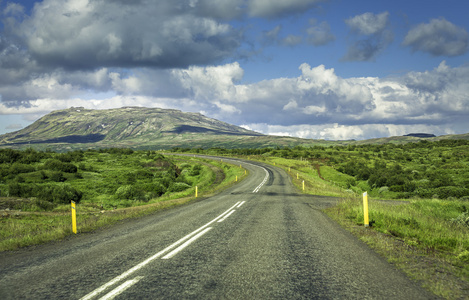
x: 307, y: 68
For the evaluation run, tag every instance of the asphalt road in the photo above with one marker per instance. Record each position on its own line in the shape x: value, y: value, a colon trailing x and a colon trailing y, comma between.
x: 260, y: 239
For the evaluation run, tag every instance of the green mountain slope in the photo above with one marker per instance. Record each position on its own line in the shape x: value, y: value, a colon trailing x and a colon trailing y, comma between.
x: 155, y: 128
x: 135, y: 127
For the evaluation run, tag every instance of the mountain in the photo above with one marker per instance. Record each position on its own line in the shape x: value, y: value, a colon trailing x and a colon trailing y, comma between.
x: 136, y: 127
x: 155, y: 128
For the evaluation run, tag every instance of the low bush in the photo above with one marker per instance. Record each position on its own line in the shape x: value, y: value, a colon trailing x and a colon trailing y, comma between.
x: 178, y: 187
x: 57, y: 165
x: 129, y: 192
x: 58, y: 193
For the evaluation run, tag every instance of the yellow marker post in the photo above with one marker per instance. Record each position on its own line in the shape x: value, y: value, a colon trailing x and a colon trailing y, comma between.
x: 196, y: 191
x: 289, y: 169
x: 74, y: 217
x: 297, y: 176
x: 303, y: 185
x: 236, y: 178
x: 365, y: 209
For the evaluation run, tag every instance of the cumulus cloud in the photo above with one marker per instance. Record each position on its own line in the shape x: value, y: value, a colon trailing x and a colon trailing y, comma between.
x: 439, y: 38
x: 83, y: 34
x: 104, y: 54
x: 377, y: 34
x: 316, y: 104
x: 335, y: 131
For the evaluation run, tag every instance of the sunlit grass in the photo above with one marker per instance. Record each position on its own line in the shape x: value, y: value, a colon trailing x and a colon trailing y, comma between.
x: 20, y: 230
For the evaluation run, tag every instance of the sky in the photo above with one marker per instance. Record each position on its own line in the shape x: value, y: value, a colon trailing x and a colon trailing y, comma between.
x: 318, y: 69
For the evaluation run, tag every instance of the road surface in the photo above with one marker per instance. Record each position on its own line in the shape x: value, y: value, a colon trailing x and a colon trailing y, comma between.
x: 260, y: 239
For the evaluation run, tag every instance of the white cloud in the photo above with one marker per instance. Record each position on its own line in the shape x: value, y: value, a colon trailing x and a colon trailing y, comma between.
x: 212, y: 82
x: 334, y: 131
x: 292, y: 40
x: 377, y: 32
x: 320, y: 35
x: 439, y: 38
x: 308, y: 105
x: 368, y: 23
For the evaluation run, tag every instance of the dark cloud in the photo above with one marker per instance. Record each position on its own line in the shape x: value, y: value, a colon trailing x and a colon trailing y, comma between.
x: 277, y: 8
x: 439, y: 38
x: 366, y: 49
x: 107, y: 33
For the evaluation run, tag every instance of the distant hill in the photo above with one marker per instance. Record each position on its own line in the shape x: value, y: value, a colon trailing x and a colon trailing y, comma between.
x: 155, y: 128
x: 138, y: 128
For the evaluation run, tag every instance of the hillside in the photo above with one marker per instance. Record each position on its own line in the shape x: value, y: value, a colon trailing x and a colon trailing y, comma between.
x: 138, y: 128
x: 155, y: 128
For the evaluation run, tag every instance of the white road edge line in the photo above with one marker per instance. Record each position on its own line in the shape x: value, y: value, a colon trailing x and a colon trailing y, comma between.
x: 121, y: 288
x: 239, y: 205
x: 187, y: 243
x: 151, y: 258
x: 226, y: 216
x: 263, y: 182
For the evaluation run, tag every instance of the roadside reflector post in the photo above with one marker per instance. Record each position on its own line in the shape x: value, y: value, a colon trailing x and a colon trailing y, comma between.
x: 303, y: 185
x: 196, y: 191
x: 297, y: 176
x: 236, y: 177
x: 289, y: 169
x: 74, y: 217
x: 365, y: 209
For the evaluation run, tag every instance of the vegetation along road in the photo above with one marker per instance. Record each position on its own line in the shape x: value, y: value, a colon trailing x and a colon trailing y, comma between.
x: 259, y: 239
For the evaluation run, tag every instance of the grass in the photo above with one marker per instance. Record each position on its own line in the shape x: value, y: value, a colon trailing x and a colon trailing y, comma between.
x: 421, y: 237
x: 21, y: 229
x: 426, y: 238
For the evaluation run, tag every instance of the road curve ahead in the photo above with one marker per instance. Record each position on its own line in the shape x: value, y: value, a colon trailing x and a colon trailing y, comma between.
x: 259, y: 239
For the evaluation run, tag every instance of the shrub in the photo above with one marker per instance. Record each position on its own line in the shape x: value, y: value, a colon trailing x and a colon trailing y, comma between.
x: 178, y: 187
x: 195, y: 170
x: 57, y: 165
x: 451, y: 191
x: 18, y: 168
x: 155, y: 189
x: 58, y: 193
x: 25, y: 190
x: 130, y: 192
x: 9, y: 155
x: 57, y: 176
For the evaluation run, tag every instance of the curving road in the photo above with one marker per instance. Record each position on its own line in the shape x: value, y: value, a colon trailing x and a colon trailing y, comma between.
x: 260, y: 239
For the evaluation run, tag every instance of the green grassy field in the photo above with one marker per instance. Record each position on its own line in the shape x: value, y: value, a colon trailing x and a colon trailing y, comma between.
x: 108, y: 186
x: 426, y: 238
x: 419, y: 195
x: 418, y: 201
